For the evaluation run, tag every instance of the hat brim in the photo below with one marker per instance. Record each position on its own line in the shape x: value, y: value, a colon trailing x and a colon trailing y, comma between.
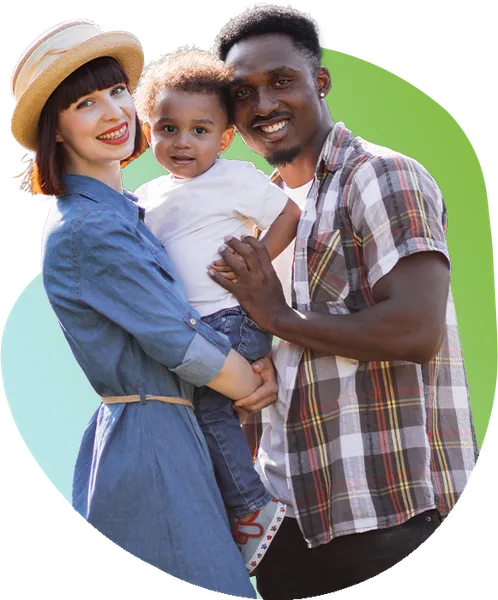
x: 120, y: 45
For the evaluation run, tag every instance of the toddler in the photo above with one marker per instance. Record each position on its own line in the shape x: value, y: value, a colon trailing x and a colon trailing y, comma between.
x: 184, y: 105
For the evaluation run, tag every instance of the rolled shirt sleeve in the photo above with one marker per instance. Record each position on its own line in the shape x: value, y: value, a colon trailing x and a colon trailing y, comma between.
x: 122, y: 279
x: 396, y: 210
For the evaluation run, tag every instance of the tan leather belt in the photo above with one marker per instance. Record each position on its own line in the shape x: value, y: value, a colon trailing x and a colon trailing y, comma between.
x: 137, y: 398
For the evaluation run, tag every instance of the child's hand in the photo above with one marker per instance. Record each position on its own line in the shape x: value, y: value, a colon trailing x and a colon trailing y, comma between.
x: 224, y: 269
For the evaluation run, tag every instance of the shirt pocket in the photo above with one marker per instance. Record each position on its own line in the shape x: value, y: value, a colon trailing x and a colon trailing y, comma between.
x: 327, y: 272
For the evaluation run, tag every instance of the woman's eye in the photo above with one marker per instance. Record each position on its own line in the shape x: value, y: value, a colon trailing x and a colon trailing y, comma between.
x: 119, y: 89
x: 83, y: 104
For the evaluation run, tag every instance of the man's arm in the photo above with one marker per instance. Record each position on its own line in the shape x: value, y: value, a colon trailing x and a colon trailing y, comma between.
x: 405, y: 323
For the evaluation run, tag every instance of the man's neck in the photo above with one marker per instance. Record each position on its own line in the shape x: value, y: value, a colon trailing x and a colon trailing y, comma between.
x: 302, y: 168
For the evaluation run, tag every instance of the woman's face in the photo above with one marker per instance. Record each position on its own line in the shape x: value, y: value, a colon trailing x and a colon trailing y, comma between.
x: 97, y: 129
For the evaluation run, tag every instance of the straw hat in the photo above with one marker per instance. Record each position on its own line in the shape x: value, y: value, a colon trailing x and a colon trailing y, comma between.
x: 53, y: 57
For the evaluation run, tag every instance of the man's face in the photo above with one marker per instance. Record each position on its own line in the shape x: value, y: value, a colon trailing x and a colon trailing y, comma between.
x: 276, y: 96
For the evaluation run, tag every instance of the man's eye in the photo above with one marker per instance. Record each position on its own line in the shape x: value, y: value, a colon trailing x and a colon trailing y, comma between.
x: 283, y: 81
x: 242, y: 93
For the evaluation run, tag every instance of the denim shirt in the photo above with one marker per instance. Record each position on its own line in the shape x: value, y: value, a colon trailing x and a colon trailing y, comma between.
x: 118, y: 299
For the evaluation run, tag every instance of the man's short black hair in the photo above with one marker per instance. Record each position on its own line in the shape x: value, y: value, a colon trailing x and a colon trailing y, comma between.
x: 261, y: 20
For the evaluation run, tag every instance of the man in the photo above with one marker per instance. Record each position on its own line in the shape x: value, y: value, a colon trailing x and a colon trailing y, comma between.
x: 371, y: 441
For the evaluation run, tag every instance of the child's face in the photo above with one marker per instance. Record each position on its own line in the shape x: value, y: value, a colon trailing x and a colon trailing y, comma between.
x: 187, y: 131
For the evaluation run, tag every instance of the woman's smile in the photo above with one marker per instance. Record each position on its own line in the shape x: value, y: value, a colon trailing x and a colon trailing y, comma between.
x: 115, y: 135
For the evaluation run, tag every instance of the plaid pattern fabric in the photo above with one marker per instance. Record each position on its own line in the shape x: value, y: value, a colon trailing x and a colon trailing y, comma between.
x: 368, y: 444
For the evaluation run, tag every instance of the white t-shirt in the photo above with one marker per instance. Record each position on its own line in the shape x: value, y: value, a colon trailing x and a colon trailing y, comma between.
x: 271, y: 461
x: 191, y: 218
x: 283, y: 263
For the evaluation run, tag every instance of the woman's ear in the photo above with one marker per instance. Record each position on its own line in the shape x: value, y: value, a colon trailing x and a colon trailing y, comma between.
x: 58, y: 137
x: 226, y: 138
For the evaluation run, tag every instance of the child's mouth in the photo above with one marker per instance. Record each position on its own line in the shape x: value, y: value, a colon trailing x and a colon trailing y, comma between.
x: 182, y: 160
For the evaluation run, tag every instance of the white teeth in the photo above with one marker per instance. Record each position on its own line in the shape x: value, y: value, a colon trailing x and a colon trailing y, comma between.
x: 275, y: 127
x: 114, y: 135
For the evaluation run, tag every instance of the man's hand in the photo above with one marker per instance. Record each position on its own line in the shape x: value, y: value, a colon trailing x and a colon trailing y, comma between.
x: 265, y: 395
x: 257, y: 288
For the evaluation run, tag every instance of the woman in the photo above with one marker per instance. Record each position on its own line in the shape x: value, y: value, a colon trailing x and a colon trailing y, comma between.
x: 143, y: 476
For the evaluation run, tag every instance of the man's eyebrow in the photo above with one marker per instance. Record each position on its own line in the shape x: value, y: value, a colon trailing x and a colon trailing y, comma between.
x: 270, y: 72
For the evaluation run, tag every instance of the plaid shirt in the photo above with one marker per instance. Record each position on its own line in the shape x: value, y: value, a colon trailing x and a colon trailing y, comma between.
x: 368, y: 444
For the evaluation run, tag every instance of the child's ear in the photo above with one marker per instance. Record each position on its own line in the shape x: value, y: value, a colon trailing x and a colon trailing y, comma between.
x: 226, y: 139
x: 146, y: 130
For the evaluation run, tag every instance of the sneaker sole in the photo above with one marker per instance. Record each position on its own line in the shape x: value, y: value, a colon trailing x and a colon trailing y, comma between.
x: 258, y: 555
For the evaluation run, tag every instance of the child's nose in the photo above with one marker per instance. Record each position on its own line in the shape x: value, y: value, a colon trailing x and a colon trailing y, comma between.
x: 182, y: 140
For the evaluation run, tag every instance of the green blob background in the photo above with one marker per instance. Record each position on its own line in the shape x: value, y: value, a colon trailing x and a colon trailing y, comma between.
x: 52, y: 401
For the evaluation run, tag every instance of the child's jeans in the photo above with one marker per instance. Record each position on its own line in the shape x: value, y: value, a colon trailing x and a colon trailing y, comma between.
x: 240, y: 485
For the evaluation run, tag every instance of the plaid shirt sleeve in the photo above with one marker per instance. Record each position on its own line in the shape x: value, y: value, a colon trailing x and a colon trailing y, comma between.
x: 396, y: 210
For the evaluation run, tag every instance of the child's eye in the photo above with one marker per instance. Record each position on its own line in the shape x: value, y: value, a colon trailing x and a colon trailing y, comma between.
x: 200, y: 130
x: 169, y: 128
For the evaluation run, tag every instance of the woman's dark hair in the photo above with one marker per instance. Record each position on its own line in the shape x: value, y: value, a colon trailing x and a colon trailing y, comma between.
x: 98, y: 74
x: 262, y: 20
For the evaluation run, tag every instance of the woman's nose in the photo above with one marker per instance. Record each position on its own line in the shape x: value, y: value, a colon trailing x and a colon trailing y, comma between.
x: 112, y: 109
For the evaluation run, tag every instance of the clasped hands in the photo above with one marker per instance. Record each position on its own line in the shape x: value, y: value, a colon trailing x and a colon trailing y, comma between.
x: 245, y: 271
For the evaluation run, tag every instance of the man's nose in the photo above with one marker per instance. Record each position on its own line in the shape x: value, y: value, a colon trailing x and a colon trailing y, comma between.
x: 266, y: 102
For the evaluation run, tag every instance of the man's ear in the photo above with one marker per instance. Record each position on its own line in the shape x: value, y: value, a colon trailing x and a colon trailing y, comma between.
x: 226, y: 138
x: 323, y: 81
x: 146, y: 130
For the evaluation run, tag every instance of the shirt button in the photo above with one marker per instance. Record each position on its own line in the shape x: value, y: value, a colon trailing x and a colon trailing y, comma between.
x: 193, y: 321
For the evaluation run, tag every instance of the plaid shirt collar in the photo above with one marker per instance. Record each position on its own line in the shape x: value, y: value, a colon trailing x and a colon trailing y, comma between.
x: 331, y: 157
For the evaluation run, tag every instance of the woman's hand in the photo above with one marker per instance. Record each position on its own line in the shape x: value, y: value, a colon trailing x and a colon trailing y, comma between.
x: 221, y: 267
x: 265, y: 394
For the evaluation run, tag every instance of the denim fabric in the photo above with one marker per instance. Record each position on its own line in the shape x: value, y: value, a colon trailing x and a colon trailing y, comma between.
x: 240, y: 485
x: 143, y: 475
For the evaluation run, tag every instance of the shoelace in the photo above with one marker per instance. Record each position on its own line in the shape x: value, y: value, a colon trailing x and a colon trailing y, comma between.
x: 242, y: 537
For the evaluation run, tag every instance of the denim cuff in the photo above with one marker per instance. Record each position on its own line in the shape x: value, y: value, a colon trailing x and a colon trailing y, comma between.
x: 202, y: 361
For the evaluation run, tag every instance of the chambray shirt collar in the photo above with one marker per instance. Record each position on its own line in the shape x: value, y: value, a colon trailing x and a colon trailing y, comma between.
x: 97, y: 191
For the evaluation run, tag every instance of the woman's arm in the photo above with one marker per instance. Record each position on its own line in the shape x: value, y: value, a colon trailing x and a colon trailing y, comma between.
x: 236, y: 379
x: 118, y: 277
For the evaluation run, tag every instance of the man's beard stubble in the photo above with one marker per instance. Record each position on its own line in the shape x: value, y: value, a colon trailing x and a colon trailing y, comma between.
x: 281, y: 158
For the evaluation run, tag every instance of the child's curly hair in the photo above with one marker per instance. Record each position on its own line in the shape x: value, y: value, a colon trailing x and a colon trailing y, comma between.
x: 188, y: 69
